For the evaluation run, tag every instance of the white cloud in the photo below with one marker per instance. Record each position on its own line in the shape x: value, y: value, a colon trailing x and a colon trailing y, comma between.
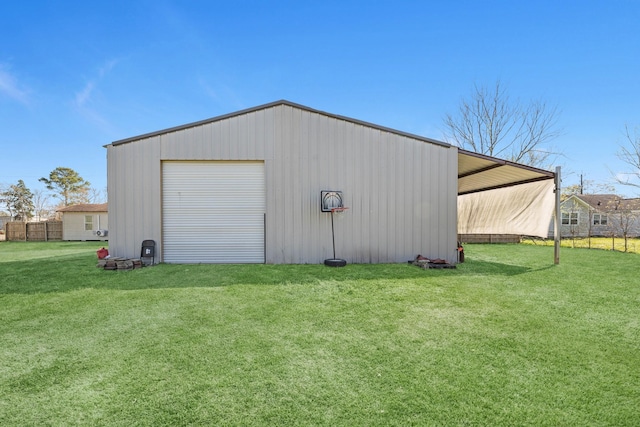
x: 627, y: 178
x: 106, y: 68
x: 221, y: 94
x: 10, y: 87
x: 84, y: 99
x: 208, y: 90
x: 84, y: 95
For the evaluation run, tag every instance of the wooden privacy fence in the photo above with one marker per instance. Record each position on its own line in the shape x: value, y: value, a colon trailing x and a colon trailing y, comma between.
x: 489, y: 238
x: 33, y: 231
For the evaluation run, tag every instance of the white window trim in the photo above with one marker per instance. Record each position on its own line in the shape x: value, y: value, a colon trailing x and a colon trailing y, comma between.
x: 600, y: 218
x: 567, y: 218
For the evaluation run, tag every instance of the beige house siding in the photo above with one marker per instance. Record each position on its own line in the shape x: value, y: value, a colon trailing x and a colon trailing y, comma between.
x: 401, y: 190
x: 618, y: 222
x: 73, y: 225
x: 581, y: 229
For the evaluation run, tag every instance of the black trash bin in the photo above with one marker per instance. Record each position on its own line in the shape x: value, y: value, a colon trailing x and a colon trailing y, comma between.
x: 148, y: 251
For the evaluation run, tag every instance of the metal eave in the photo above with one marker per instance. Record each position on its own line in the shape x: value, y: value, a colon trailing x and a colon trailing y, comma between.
x: 478, y: 172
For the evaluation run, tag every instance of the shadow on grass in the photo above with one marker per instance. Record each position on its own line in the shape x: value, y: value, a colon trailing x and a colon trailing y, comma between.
x: 73, y: 272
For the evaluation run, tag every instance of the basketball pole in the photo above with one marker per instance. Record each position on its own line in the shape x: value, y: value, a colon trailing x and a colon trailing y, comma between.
x: 333, y: 236
x: 335, y: 262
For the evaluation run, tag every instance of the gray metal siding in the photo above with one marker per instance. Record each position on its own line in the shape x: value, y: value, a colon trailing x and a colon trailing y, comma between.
x: 134, y: 181
x: 401, y: 191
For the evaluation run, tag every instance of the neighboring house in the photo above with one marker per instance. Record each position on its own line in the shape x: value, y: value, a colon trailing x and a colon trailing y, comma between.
x: 3, y: 220
x: 85, y: 222
x: 246, y: 188
x: 595, y: 215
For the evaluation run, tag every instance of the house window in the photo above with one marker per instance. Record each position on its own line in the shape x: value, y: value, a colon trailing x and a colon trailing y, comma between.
x: 599, y: 219
x: 88, y: 222
x: 569, y: 218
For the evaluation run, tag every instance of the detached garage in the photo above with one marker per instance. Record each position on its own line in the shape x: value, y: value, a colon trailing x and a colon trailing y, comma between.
x: 246, y: 188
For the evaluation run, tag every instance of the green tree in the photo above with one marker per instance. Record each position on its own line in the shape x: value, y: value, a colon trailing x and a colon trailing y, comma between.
x: 68, y: 185
x: 19, y: 201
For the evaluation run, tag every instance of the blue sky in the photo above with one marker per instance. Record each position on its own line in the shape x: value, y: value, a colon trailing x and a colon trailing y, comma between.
x: 75, y: 76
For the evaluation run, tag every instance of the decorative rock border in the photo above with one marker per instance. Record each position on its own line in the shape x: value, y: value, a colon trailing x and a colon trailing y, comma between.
x: 119, y: 263
x: 427, y: 263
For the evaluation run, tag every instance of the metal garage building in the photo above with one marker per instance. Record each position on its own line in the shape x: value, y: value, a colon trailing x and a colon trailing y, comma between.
x: 246, y: 188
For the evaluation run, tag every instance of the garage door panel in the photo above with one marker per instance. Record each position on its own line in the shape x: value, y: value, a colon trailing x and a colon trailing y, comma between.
x: 213, y: 212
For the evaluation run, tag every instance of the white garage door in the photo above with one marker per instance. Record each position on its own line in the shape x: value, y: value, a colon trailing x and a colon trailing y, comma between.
x: 213, y: 212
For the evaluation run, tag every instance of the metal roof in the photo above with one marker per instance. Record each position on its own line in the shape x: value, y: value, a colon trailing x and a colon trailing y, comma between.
x: 476, y: 172
x: 274, y: 104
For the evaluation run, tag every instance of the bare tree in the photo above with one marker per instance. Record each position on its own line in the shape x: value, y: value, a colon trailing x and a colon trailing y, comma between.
x: 629, y: 153
x: 41, y: 204
x: 574, y: 229
x: 591, y: 214
x: 95, y: 195
x: 623, y: 220
x: 490, y: 123
x: 586, y: 186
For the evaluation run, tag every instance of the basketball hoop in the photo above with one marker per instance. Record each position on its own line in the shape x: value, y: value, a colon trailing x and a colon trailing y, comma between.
x: 339, y: 210
x: 331, y: 201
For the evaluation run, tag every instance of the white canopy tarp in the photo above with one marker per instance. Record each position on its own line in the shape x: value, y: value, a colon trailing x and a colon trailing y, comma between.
x: 524, y: 209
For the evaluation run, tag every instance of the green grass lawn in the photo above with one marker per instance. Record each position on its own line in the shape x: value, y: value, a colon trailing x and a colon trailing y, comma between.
x: 507, y: 338
x: 606, y: 243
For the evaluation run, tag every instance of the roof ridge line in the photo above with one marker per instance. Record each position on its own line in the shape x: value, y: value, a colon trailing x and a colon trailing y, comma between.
x: 271, y: 105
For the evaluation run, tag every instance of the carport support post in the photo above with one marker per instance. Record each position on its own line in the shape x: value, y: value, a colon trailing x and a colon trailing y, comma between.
x: 556, y: 229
